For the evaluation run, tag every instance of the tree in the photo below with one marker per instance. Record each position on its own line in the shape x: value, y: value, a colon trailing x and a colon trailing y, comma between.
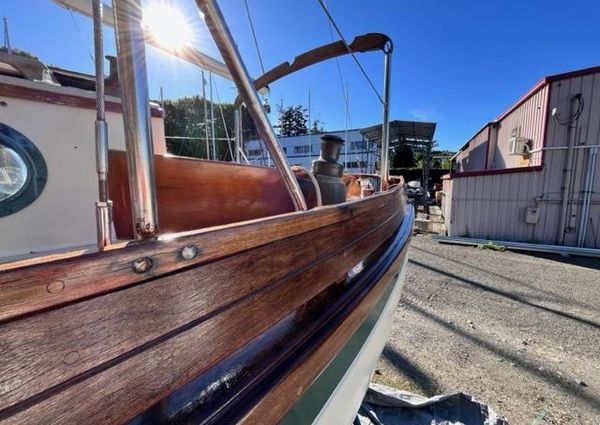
x: 403, y: 157
x: 444, y: 163
x: 292, y: 121
x: 184, y: 117
x: 19, y: 52
x: 317, y: 127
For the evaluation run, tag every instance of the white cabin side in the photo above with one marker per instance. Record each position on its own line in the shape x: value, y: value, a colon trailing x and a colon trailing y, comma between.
x: 63, y: 215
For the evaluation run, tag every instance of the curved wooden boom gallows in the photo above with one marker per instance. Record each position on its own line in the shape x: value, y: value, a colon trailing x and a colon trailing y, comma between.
x: 363, y: 43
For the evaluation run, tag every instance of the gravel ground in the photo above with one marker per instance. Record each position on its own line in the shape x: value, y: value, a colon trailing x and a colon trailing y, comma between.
x: 519, y: 332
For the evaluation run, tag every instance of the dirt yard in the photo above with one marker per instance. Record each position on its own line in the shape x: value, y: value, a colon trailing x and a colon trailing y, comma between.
x: 519, y: 332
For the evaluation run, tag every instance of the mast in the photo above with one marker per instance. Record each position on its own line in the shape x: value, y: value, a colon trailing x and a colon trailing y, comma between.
x: 309, y: 129
x: 346, y: 128
x: 104, y: 204
x: 224, y: 41
x: 212, y: 117
x: 239, y: 143
x: 131, y: 59
x: 7, y: 37
x: 205, y: 115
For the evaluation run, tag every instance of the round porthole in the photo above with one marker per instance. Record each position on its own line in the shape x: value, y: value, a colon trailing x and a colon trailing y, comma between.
x: 23, y: 171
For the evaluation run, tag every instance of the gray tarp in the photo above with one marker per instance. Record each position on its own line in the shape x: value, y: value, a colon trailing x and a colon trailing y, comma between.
x: 387, y: 406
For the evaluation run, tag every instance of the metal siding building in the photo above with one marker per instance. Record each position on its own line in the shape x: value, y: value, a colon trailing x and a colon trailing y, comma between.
x: 491, y: 202
x: 473, y: 155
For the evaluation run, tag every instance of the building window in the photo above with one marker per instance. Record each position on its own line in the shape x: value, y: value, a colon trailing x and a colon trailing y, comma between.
x: 302, y: 149
x: 356, y: 164
x: 23, y: 171
x: 254, y: 152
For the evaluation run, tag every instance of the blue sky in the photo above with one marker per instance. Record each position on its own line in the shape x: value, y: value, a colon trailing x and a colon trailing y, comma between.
x: 459, y: 63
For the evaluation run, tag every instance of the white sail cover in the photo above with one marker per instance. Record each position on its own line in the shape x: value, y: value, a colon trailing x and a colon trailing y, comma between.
x: 188, y: 54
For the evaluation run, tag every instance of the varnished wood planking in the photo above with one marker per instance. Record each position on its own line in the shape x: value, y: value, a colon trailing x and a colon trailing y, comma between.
x: 127, y: 388
x: 193, y: 193
x: 46, y: 349
x: 273, y: 407
x: 25, y: 290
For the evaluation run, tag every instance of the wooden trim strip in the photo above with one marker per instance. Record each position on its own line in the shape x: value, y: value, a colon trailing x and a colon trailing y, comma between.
x: 64, y: 99
x: 129, y: 386
x: 103, y: 328
x: 27, y: 290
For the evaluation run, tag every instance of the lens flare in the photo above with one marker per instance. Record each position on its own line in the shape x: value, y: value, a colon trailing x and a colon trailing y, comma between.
x: 167, y: 25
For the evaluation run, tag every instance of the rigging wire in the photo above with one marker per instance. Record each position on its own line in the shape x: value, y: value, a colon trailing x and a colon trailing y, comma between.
x: 81, y: 36
x: 339, y: 69
x: 337, y: 29
x: 262, y: 66
x: 223, y: 118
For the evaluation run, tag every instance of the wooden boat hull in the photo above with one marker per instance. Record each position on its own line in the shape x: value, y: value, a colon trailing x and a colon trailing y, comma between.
x: 230, y: 324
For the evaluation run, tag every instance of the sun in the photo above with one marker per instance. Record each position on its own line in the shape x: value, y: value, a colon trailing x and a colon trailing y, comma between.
x: 167, y: 25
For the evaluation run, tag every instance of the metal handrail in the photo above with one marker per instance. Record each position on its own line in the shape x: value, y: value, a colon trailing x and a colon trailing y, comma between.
x: 224, y: 41
x: 385, y: 125
x: 363, y: 43
x: 131, y: 59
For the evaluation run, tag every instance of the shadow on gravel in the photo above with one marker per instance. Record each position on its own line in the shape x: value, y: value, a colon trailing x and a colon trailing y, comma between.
x: 587, y: 262
x: 553, y: 295
x: 529, y: 366
x: 505, y: 294
x: 411, y: 370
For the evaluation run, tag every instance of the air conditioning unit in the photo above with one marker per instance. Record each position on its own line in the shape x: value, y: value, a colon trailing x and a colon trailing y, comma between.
x: 519, y: 146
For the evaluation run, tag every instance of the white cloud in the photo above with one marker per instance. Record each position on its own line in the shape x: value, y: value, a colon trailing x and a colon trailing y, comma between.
x: 423, y: 114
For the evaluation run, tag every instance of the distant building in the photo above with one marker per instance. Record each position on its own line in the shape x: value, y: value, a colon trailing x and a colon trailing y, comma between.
x: 361, y: 151
x: 358, y: 155
x: 532, y: 175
